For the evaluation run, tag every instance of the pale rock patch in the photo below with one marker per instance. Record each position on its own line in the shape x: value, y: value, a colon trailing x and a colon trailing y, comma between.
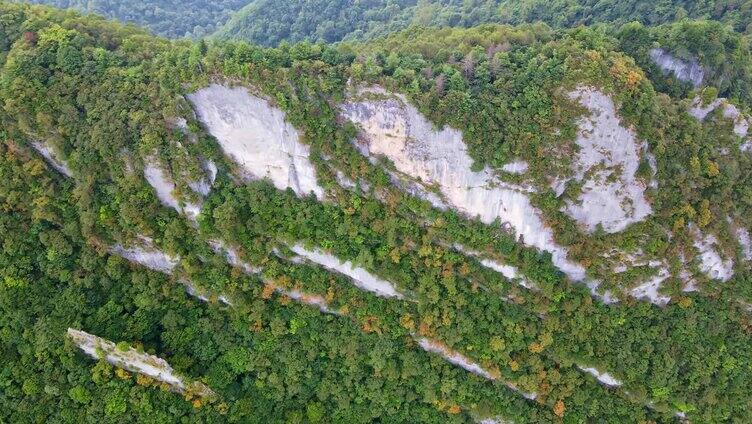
x: 517, y: 167
x: 742, y: 235
x: 203, y: 295
x: 454, y: 357
x: 204, y: 185
x: 391, y: 127
x: 232, y: 257
x: 309, y: 299
x: 699, y: 111
x: 135, y: 361
x: 51, y: 158
x: 612, y: 196
x: 344, y: 181
x: 460, y: 360
x: 509, y: 272
x: 360, y: 277
x: 164, y: 187
x: 147, y: 255
x: 711, y: 262
x: 741, y: 125
x: 257, y: 137
x: 603, y: 377
x: 730, y: 112
x: 687, y: 71
x: 650, y: 289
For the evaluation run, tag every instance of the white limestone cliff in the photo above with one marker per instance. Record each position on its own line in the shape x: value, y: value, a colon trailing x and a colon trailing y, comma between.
x: 257, y: 137
x: 51, y: 158
x: 687, y: 71
x: 147, y: 255
x: 391, y: 127
x: 602, y: 377
x: 135, y: 361
x: 607, y: 162
x: 360, y: 277
x: 711, y: 262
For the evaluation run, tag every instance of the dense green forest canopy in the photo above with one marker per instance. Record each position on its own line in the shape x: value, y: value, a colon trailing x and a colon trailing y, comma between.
x: 298, y: 342
x: 168, y: 18
x: 269, y: 22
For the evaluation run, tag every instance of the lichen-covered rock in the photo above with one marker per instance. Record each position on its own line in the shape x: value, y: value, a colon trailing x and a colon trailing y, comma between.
x: 257, y: 137
x: 687, y: 71
x: 607, y: 162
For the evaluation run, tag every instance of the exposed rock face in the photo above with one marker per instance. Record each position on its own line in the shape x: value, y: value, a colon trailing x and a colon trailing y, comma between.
x: 309, y: 299
x: 164, y: 187
x: 742, y: 235
x: 603, y: 377
x: 232, y: 257
x: 454, y: 357
x: 257, y: 137
x: 730, y: 111
x: 509, y: 272
x: 393, y: 128
x: 741, y: 125
x: 360, y: 277
x: 135, y: 361
x: 609, y: 156
x: 650, y: 289
x: 51, y: 158
x: 517, y: 167
x: 700, y: 111
x: 147, y: 256
x: 687, y: 71
x: 711, y: 262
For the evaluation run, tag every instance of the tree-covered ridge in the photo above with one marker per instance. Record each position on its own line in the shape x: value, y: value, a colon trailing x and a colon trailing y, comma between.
x: 168, y: 18
x: 105, y: 99
x: 268, y: 22
x: 567, y: 13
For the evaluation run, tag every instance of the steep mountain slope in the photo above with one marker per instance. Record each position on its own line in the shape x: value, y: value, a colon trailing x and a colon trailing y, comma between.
x: 441, y: 226
x: 268, y: 22
x: 168, y: 18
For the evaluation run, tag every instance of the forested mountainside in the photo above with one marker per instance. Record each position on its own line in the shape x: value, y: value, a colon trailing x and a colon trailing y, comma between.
x: 568, y: 13
x: 168, y: 18
x: 269, y: 22
x: 495, y: 224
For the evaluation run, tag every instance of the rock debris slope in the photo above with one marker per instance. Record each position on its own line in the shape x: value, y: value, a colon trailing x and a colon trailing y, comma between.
x: 257, y: 137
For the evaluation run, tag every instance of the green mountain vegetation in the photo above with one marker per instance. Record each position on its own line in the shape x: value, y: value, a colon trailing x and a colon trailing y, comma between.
x: 145, y: 201
x: 168, y: 18
x: 269, y: 22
